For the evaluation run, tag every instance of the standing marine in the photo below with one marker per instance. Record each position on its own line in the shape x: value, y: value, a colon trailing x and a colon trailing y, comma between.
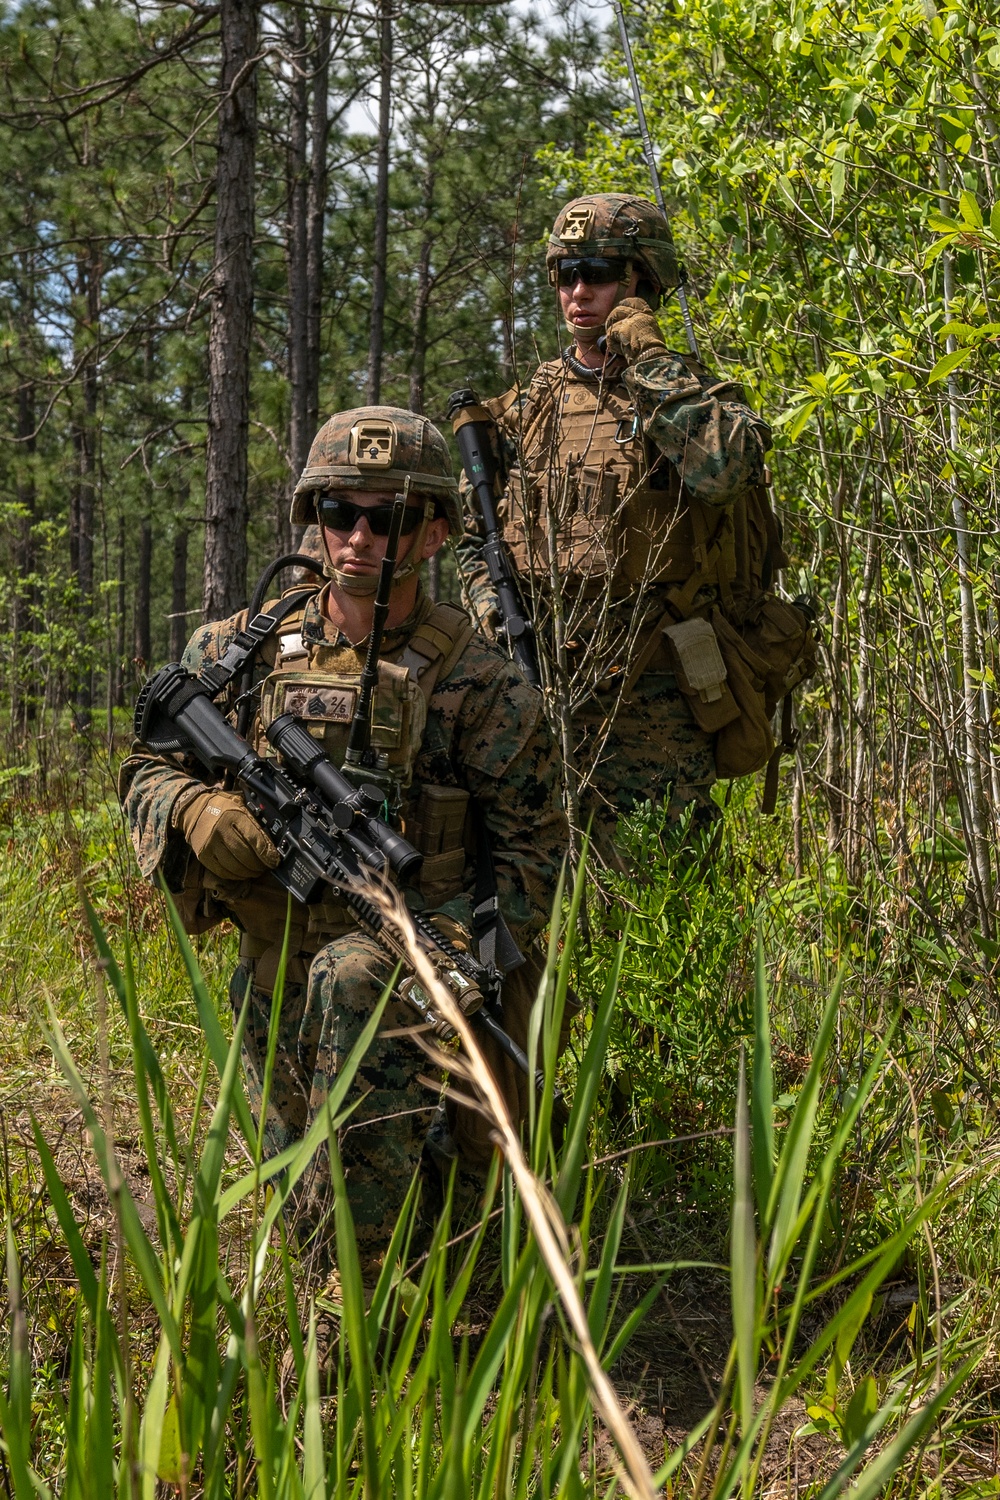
x: 637, y: 517
x: 472, y: 774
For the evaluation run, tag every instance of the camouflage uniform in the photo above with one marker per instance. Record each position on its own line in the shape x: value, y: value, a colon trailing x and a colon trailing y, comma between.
x: 485, y: 737
x: 622, y: 483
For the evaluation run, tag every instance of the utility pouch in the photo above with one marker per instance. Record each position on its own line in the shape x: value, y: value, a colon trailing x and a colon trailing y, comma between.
x: 522, y: 533
x: 745, y: 744
x: 597, y: 491
x: 783, y: 636
x: 438, y: 831
x: 701, y: 673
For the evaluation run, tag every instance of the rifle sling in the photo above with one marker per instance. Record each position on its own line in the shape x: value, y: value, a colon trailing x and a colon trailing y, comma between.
x: 497, y: 948
x: 248, y: 641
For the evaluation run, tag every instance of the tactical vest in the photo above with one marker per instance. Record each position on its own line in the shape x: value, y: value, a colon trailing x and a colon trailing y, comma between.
x: 587, y: 484
x: 615, y: 513
x: 319, y: 684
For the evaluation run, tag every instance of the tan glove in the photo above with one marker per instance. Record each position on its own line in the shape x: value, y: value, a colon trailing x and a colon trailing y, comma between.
x: 225, y: 838
x: 631, y: 330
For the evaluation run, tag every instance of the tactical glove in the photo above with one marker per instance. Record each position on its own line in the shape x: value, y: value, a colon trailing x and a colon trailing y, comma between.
x: 631, y: 330
x: 225, y: 838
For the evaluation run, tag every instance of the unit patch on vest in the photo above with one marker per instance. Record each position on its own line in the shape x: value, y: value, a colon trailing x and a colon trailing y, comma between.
x: 334, y: 705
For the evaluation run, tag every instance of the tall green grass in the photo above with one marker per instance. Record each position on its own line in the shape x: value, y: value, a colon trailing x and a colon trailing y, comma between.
x: 174, y: 1370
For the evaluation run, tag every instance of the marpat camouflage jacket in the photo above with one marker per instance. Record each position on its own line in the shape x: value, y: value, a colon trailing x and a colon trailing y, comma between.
x: 485, y: 732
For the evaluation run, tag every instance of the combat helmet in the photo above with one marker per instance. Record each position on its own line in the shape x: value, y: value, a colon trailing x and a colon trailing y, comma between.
x: 379, y: 448
x: 616, y: 225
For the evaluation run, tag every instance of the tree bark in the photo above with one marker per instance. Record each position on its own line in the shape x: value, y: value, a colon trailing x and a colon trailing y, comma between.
x: 143, y: 649
x: 226, y: 512
x: 22, y: 687
x: 297, y: 255
x: 418, y: 353
x: 178, y: 596
x: 118, y: 685
x: 318, y: 176
x: 376, y: 339
x: 85, y: 443
x: 421, y: 309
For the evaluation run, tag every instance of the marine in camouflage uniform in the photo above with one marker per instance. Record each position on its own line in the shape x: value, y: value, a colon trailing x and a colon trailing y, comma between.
x: 457, y: 727
x: 625, y: 460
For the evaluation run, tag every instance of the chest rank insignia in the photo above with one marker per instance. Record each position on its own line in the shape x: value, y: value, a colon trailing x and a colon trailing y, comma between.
x: 332, y: 705
x: 373, y: 445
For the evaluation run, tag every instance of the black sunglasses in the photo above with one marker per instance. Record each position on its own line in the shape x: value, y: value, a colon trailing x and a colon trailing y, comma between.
x: 592, y: 270
x: 343, y: 515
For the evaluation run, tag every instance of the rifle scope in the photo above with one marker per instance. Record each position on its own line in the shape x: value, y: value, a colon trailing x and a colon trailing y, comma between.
x: 347, y: 803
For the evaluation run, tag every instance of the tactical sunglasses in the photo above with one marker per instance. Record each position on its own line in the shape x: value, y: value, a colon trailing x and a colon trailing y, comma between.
x: 343, y: 515
x: 592, y: 270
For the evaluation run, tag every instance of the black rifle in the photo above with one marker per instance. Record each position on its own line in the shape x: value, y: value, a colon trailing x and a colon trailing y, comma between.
x: 327, y: 833
x: 474, y: 429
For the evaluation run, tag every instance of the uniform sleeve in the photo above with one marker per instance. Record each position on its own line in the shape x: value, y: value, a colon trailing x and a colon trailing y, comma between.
x: 478, y: 593
x: 703, y: 425
x: 512, y: 767
x: 155, y: 788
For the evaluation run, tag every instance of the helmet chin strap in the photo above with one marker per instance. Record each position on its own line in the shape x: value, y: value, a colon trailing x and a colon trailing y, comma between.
x: 367, y: 583
x: 584, y: 334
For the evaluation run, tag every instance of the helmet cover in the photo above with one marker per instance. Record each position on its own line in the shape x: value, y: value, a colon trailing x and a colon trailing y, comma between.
x: 377, y: 448
x: 615, y: 225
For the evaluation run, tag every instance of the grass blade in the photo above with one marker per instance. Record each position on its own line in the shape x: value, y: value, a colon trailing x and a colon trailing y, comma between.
x: 762, y: 1088
x: 744, y: 1258
x: 85, y: 1273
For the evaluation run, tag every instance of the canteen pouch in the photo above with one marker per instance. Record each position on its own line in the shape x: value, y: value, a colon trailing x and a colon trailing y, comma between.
x: 437, y: 829
x: 701, y: 673
x: 744, y: 745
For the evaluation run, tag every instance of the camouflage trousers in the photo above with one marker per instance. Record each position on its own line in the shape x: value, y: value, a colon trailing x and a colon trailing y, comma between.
x: 646, y: 749
x: 381, y: 1143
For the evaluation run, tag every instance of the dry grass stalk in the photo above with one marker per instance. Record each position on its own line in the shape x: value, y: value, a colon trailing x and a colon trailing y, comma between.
x: 543, y: 1215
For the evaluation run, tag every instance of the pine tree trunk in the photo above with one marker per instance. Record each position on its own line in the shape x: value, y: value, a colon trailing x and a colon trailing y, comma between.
x: 226, y: 512
x: 143, y: 648
x: 85, y: 441
x: 22, y: 688
x: 297, y: 258
x: 178, y: 596
x: 118, y: 687
x: 421, y: 308
x: 320, y: 132
x: 418, y: 352
x: 377, y: 333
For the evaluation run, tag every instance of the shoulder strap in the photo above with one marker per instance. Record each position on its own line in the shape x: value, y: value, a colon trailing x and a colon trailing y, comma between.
x: 435, y: 646
x: 248, y: 641
x: 494, y: 939
x: 499, y: 407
